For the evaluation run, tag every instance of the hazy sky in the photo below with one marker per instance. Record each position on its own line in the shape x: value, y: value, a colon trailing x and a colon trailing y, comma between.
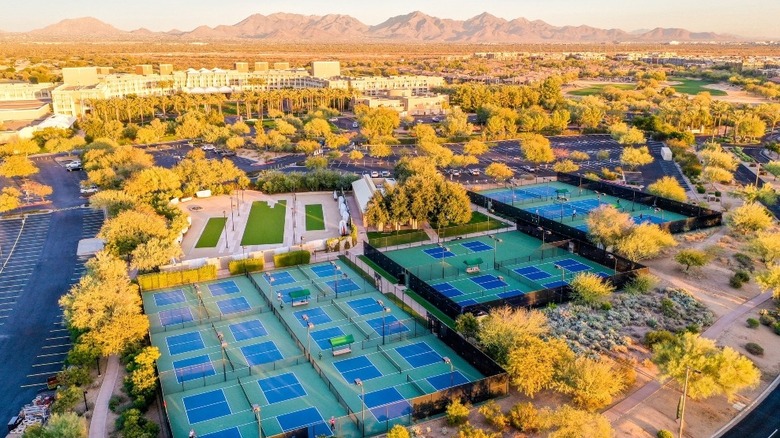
x: 741, y: 17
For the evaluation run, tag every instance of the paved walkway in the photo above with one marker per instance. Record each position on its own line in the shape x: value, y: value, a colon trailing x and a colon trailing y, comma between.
x: 713, y: 332
x: 97, y: 426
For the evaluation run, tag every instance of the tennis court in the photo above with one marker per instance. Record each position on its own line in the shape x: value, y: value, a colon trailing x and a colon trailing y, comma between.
x: 240, y: 347
x: 571, y: 205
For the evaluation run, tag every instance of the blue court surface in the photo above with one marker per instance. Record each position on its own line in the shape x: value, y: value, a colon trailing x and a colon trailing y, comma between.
x: 185, y: 342
x: 168, y: 298
x: 322, y: 337
x: 559, y: 283
x: 281, y: 387
x: 286, y: 293
x: 438, y: 252
x: 572, y: 265
x: 279, y: 278
x: 342, y: 285
x: 365, y: 306
x: 193, y: 368
x: 387, y: 404
x: 325, y: 270
x: 532, y: 273
x: 264, y: 352
x: 223, y: 288
x: 488, y: 281
x: 390, y: 325
x: 477, y: 246
x: 233, y: 305
x: 175, y: 316
x: 447, y: 290
x: 645, y: 218
x: 309, y: 417
x: 447, y: 380
x: 233, y: 432
x: 419, y: 354
x: 359, y: 367
x: 248, y: 330
x: 206, y: 406
x: 315, y: 316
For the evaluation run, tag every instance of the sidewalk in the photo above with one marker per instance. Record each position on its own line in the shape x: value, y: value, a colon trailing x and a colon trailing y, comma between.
x: 97, y: 426
x: 713, y: 332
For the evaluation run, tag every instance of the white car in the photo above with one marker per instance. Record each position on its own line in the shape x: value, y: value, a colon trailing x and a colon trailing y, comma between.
x: 89, y: 190
x: 208, y: 147
x: 73, y: 165
x: 435, y: 119
x: 374, y: 174
x: 474, y: 171
x: 386, y: 174
x: 355, y: 124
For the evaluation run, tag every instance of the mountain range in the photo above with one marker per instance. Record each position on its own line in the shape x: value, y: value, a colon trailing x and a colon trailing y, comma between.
x: 412, y: 27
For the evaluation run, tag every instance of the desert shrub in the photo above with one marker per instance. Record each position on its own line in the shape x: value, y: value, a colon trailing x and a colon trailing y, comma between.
x: 693, y: 328
x: 700, y: 189
x: 656, y: 336
x: 493, y: 415
x: 398, y: 431
x: 776, y: 328
x: 663, y: 433
x: 735, y: 282
x: 754, y: 349
x: 767, y: 319
x: 744, y: 261
x: 667, y: 308
x: 742, y: 275
x: 524, y: 417
x: 606, y: 306
x: 457, y: 413
x: 753, y: 323
x: 641, y: 284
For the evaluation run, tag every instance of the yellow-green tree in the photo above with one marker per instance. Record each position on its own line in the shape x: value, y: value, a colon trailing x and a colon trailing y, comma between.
x: 499, y: 171
x: 569, y: 422
x: 456, y: 124
x: 635, y: 157
x: 607, y: 225
x: 566, y: 166
x: 533, y: 364
x: 9, y: 199
x: 154, y: 253
x: 142, y: 372
x: 64, y: 425
x: 129, y: 229
x: 475, y: 148
x: 749, y: 217
x: 536, y: 148
x: 23, y: 147
x: 692, y: 257
x: 505, y: 328
x: 154, y: 185
x: 579, y: 156
x: 106, y: 306
x: 767, y: 246
x: 766, y: 194
x: 355, y: 155
x: 109, y: 166
x: 711, y: 370
x: 17, y: 166
x: 590, y: 288
x: 770, y: 279
x: 591, y: 383
x: 644, y: 241
x: 316, y: 128
x: 668, y: 187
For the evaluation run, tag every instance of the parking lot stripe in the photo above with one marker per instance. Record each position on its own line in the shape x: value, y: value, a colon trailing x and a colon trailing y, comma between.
x: 53, y: 354
x: 58, y: 337
x: 32, y: 385
x: 47, y: 364
x: 56, y: 346
x: 39, y: 374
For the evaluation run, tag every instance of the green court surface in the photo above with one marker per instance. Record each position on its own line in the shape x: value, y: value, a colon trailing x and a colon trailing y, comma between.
x: 315, y: 221
x: 210, y: 235
x: 230, y: 344
x: 570, y: 205
x: 523, y: 265
x: 597, y: 89
x: 265, y: 224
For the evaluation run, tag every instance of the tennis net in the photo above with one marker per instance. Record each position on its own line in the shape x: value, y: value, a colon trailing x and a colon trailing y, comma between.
x: 390, y: 359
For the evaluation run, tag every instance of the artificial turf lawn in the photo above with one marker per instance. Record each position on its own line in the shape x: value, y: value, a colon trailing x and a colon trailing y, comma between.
x: 315, y: 220
x: 596, y: 89
x: 210, y: 235
x: 265, y: 225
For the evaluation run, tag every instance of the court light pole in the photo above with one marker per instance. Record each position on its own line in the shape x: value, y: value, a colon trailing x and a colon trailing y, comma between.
x: 448, y: 361
x: 256, y: 410
x: 611, y: 257
x: 309, y: 326
x: 683, y: 397
x: 385, y: 311
x: 496, y: 241
x: 224, y: 368
x: 563, y: 272
x: 359, y: 383
x: 224, y: 217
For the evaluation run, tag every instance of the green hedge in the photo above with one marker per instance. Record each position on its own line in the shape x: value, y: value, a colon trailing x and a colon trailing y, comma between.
x: 246, y: 265
x: 159, y: 280
x: 292, y: 258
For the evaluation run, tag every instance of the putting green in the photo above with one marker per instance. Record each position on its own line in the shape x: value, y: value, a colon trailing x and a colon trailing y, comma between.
x: 315, y: 220
x: 265, y: 225
x: 597, y: 89
x: 695, y: 86
x: 210, y: 235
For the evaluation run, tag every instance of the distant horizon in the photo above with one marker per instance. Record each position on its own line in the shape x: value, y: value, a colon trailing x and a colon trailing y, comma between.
x: 718, y: 16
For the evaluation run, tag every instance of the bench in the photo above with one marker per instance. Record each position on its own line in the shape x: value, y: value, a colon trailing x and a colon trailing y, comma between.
x: 472, y: 269
x: 341, y: 344
x: 300, y: 297
x: 472, y: 265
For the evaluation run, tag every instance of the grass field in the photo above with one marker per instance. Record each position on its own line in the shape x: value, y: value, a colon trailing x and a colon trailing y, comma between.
x: 210, y: 235
x: 315, y: 221
x: 265, y: 225
x: 596, y: 89
x: 695, y: 86
x: 380, y: 240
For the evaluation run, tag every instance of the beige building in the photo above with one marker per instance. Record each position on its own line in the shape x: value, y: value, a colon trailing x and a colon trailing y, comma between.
x: 407, y: 104
x: 325, y: 69
x: 15, y: 91
x: 378, y: 85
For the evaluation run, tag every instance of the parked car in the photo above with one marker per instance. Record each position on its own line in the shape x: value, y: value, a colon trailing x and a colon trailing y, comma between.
x: 385, y: 174
x: 374, y: 174
x: 89, y: 189
x: 225, y: 152
x: 73, y: 165
x: 355, y: 124
x: 435, y: 119
x: 474, y: 172
x: 455, y: 172
x: 528, y: 168
x: 208, y: 147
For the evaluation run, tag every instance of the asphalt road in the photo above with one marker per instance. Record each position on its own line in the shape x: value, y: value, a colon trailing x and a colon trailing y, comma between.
x: 762, y: 422
x: 43, y: 266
